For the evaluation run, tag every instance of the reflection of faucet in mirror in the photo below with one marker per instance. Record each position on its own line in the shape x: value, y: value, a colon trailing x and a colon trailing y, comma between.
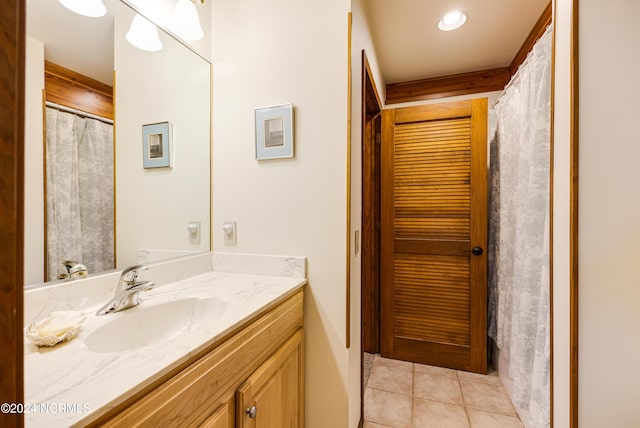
x: 127, y: 292
x: 74, y: 270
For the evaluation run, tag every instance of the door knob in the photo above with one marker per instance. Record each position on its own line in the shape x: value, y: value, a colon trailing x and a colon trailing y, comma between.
x: 251, y: 411
x: 476, y: 251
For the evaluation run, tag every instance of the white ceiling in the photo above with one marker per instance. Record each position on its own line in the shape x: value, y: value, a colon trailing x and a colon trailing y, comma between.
x: 82, y: 44
x: 409, y: 45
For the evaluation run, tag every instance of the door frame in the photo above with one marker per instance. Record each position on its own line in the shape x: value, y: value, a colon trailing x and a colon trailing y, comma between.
x: 370, y: 270
x: 371, y: 109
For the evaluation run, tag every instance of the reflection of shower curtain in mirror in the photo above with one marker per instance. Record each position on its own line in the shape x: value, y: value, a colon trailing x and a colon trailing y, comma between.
x: 79, y: 189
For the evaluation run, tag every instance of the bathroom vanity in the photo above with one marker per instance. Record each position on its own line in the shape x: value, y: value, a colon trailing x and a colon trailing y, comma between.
x: 255, y: 373
x: 218, y: 349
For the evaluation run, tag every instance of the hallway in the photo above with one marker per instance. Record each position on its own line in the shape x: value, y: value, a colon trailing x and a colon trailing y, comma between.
x: 401, y: 394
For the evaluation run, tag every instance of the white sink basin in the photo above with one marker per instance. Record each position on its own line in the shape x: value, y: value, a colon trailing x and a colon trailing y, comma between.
x: 143, y: 326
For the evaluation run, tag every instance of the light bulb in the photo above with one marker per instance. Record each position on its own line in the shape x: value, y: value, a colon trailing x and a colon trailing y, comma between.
x: 90, y: 8
x: 143, y: 34
x: 185, y: 22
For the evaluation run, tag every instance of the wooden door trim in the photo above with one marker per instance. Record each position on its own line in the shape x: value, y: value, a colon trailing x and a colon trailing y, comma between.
x: 386, y: 231
x: 371, y: 107
x: 479, y: 231
x: 12, y: 58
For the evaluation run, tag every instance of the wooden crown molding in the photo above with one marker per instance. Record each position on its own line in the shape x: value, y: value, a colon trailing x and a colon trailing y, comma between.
x: 536, y: 32
x: 467, y: 83
x: 72, y: 89
x: 448, y: 86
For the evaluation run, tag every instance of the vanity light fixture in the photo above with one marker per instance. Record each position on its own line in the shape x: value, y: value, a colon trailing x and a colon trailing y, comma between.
x: 452, y: 21
x: 185, y: 21
x: 143, y: 34
x: 90, y: 8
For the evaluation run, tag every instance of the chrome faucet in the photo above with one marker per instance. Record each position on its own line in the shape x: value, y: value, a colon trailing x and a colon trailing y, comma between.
x: 127, y: 292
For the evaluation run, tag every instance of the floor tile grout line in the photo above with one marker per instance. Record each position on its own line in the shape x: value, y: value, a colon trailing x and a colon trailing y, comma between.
x: 495, y: 412
x: 467, y: 408
x: 391, y: 392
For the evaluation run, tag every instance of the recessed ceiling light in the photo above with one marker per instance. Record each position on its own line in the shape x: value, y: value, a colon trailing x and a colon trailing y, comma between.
x: 452, y: 21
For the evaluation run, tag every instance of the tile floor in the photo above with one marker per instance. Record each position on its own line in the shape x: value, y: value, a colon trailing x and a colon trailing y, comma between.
x: 400, y: 394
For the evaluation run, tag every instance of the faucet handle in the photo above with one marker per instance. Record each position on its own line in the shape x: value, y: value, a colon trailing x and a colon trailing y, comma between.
x: 131, y: 274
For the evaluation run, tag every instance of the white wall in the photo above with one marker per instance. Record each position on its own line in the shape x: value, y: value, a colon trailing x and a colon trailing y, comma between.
x: 609, y: 210
x: 267, y: 53
x: 154, y: 206
x: 33, y: 164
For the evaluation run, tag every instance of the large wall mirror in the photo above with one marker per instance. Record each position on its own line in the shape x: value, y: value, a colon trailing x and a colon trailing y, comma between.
x: 111, y: 188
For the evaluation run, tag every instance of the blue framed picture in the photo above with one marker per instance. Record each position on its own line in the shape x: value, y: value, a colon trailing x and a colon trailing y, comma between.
x: 156, y: 145
x: 274, y: 132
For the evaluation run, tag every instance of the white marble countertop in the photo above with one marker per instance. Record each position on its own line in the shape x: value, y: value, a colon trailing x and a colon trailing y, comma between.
x: 71, y: 385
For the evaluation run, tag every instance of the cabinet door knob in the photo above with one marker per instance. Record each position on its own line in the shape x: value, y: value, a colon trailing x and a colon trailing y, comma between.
x: 251, y: 412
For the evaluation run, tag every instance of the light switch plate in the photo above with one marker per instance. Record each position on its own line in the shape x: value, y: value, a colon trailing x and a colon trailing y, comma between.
x: 194, y: 232
x: 229, y: 232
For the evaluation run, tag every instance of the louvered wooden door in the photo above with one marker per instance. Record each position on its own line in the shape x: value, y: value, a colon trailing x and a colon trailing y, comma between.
x: 434, y: 213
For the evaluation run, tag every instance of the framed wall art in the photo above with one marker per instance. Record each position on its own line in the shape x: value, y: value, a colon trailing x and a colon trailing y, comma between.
x: 156, y: 145
x: 274, y: 132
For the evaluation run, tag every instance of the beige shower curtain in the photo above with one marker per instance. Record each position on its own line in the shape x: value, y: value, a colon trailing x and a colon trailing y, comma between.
x: 79, y: 189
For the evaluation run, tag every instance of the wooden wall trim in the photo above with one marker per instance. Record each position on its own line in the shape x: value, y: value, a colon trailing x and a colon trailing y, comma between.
x: 448, y: 86
x: 536, y: 32
x: 573, y: 212
x: 348, y: 214
x: 467, y: 83
x: 75, y: 90
x: 12, y: 83
x: 551, y: 220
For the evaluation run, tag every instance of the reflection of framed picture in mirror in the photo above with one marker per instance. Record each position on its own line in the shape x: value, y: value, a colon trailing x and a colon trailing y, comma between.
x: 156, y: 145
x: 274, y: 132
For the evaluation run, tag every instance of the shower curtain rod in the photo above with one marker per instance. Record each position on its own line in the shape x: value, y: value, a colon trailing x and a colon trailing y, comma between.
x: 78, y: 112
x: 516, y: 75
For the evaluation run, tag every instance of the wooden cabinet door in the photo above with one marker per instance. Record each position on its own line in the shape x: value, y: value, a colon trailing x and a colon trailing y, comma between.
x: 434, y: 234
x: 274, y: 391
x: 223, y: 417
